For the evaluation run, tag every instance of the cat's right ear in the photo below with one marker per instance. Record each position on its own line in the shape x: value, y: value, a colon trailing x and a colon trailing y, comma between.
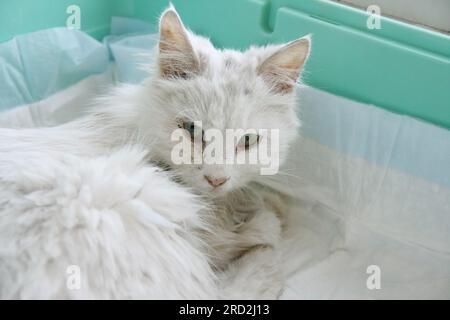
x: 177, y: 58
x: 282, y: 69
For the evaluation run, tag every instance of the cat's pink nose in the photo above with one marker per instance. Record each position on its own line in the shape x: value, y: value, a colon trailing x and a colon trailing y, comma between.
x: 215, y: 182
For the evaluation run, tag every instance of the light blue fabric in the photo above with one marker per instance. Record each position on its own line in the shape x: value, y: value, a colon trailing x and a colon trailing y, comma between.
x: 36, y: 65
x: 131, y: 43
x: 132, y: 56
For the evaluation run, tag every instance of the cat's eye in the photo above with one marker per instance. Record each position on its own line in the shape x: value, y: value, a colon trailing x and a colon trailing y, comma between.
x: 192, y: 129
x: 247, y: 141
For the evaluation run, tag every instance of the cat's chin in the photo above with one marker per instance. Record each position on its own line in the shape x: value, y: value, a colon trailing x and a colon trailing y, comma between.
x: 210, y: 192
x: 218, y: 192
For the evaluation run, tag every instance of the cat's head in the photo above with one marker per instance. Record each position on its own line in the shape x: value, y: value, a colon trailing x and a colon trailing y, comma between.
x: 221, y: 89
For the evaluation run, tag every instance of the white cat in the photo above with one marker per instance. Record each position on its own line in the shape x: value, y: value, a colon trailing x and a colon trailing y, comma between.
x: 87, y: 212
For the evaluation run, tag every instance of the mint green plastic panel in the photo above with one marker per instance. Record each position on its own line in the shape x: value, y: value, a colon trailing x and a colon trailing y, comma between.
x: 400, y: 67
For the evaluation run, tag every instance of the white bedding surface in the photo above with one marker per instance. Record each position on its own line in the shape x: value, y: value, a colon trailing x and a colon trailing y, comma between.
x: 380, y: 217
x: 351, y: 210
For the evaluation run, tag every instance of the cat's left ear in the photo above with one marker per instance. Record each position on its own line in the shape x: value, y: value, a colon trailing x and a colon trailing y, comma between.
x: 177, y: 58
x: 282, y: 69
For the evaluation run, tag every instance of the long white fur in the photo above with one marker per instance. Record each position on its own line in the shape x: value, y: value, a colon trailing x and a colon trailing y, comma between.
x: 110, y: 215
x: 86, y: 193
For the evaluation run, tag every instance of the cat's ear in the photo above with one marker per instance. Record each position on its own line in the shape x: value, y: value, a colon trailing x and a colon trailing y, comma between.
x: 282, y: 69
x: 177, y: 58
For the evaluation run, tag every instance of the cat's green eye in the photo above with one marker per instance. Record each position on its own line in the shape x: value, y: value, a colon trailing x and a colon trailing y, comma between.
x: 190, y: 127
x: 247, y: 141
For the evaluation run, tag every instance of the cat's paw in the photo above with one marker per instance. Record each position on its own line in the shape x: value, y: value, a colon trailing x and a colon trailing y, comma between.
x: 256, y: 275
x: 264, y: 229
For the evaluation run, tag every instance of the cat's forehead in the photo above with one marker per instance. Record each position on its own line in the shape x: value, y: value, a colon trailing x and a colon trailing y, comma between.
x: 232, y: 59
x: 229, y: 96
x: 226, y: 63
x: 236, y: 60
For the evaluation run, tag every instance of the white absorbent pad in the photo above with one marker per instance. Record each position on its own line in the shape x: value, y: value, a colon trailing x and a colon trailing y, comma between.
x: 371, y: 216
